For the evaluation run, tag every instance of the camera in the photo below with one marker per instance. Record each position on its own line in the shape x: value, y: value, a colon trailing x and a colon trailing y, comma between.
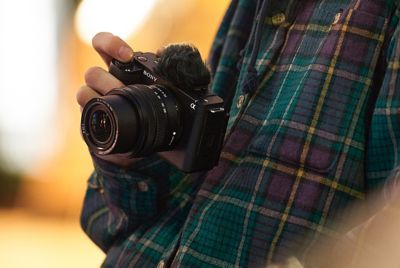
x: 165, y: 108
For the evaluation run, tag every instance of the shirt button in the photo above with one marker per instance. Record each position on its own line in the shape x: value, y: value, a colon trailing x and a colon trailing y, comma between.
x: 161, y: 264
x: 240, y: 101
x: 142, y: 186
x: 278, y: 19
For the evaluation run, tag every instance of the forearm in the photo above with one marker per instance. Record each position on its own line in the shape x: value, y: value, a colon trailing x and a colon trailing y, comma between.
x: 374, y: 242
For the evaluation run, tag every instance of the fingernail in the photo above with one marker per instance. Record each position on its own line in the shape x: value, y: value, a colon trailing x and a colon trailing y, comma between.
x: 125, y: 53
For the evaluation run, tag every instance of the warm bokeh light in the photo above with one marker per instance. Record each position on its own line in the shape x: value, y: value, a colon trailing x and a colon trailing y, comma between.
x: 121, y: 17
x: 28, y: 84
x: 43, y: 220
x: 44, y: 242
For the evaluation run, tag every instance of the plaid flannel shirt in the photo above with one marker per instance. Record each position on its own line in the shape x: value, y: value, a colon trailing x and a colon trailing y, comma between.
x: 320, y: 132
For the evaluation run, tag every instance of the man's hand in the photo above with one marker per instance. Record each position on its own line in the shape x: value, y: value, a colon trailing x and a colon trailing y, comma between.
x: 99, y: 82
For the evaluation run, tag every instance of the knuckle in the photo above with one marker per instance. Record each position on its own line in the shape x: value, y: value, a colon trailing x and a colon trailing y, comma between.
x: 80, y: 95
x: 107, y: 43
x: 111, y: 46
x: 92, y: 74
x: 99, y: 38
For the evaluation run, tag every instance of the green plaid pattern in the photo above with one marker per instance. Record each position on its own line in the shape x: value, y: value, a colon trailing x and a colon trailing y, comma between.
x: 320, y: 132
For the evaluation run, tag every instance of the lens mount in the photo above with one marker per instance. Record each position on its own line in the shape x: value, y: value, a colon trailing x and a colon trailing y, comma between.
x: 159, y: 117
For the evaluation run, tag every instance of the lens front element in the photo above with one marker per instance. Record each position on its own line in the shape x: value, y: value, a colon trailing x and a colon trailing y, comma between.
x: 100, y: 126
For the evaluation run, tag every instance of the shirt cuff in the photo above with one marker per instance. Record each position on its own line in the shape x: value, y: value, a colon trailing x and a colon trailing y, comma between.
x: 129, y: 190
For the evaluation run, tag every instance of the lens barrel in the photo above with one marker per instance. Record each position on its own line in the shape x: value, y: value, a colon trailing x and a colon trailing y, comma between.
x: 137, y: 119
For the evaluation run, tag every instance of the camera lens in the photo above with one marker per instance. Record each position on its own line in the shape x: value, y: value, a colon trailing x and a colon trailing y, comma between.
x: 100, y: 126
x: 137, y: 119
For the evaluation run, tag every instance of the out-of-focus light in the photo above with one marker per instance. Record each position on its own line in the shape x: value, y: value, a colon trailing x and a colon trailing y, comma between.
x: 28, y: 80
x: 120, y: 17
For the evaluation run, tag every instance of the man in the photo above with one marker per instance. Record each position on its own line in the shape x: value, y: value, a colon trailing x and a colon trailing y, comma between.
x: 314, y: 127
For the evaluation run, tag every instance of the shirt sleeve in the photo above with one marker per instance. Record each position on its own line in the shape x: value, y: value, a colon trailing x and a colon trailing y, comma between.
x: 119, y: 200
x: 383, y: 151
x: 375, y: 242
x: 371, y: 238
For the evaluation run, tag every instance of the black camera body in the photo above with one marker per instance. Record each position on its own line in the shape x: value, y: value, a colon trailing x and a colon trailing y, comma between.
x: 185, y: 126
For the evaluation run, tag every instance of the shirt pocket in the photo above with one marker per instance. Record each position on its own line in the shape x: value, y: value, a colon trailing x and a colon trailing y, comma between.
x: 322, y: 106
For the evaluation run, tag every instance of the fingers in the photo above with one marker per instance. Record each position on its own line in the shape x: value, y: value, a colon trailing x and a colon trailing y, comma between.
x: 85, y: 94
x: 101, y: 81
x: 160, y: 51
x: 98, y: 83
x: 110, y: 46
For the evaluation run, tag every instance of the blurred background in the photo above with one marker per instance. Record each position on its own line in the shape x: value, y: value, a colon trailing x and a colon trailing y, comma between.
x: 45, y: 50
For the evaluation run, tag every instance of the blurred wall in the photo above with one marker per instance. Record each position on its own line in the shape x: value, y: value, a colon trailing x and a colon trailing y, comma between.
x: 57, y: 185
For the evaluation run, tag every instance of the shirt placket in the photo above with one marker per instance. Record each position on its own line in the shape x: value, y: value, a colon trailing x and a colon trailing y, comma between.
x: 275, y: 28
